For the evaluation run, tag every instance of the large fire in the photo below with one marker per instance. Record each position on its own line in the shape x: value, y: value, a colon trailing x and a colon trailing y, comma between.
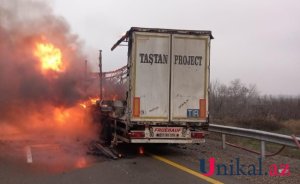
x: 50, y: 57
x: 37, y: 108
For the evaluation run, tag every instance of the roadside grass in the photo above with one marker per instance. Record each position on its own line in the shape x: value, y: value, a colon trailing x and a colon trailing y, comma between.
x: 288, y: 127
x: 254, y: 145
x: 291, y: 127
x: 266, y: 124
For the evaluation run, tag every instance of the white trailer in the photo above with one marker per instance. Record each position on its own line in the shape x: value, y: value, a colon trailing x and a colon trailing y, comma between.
x: 166, y: 87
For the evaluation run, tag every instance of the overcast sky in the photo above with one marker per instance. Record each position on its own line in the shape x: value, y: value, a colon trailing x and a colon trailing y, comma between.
x: 257, y: 41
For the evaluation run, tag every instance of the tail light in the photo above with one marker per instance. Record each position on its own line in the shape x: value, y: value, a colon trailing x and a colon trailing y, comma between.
x: 197, y: 135
x: 136, y: 134
x: 202, y: 105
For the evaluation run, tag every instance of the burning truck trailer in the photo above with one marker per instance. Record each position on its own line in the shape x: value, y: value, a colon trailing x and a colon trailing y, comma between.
x: 162, y: 91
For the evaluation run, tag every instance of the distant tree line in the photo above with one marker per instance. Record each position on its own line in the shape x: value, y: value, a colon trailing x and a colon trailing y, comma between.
x: 240, y: 102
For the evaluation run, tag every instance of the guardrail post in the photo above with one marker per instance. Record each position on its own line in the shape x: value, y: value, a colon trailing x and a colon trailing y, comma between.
x: 223, y: 141
x: 262, y: 150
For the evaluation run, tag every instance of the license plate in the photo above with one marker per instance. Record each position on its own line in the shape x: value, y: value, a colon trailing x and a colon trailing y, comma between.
x: 192, y: 113
x: 167, y: 132
x: 166, y: 135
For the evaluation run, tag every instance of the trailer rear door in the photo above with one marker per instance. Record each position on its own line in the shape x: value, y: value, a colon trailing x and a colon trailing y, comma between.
x: 189, y: 77
x: 151, y: 76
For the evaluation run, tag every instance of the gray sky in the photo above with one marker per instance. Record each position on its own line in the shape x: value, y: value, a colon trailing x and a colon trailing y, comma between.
x: 257, y: 41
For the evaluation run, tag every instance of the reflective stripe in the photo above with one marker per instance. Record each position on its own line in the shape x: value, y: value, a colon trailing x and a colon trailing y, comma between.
x: 136, y: 107
x: 202, y: 106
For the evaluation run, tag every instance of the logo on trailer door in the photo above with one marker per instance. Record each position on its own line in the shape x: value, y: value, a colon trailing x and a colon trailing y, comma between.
x: 192, y: 113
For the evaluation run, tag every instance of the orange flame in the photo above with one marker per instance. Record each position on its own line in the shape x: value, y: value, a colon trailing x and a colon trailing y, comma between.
x: 83, y: 105
x: 81, y: 163
x: 49, y: 56
x: 94, y: 100
x: 89, y: 102
x: 61, y: 116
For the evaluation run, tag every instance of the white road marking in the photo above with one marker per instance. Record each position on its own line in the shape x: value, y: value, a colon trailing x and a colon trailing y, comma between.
x: 29, y: 154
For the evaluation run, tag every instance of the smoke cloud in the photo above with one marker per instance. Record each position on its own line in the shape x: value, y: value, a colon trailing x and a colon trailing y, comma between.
x: 21, y: 25
x: 34, y: 102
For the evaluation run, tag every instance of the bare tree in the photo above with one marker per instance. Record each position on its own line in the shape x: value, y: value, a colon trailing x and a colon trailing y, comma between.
x: 242, y: 103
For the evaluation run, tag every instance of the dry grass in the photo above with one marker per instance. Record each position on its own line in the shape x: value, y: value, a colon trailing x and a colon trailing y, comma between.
x: 266, y: 124
x: 287, y: 127
x: 292, y: 127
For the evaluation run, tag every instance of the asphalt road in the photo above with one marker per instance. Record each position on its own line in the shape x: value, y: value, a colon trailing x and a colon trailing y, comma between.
x: 52, y: 163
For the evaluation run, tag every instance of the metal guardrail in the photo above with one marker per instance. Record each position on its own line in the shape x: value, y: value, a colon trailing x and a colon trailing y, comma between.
x: 262, y: 136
